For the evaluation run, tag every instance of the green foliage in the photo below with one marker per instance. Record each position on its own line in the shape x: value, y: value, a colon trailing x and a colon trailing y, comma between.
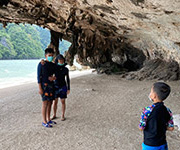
x: 6, y: 47
x: 25, y: 41
x: 44, y: 36
x: 45, y: 40
x: 20, y: 42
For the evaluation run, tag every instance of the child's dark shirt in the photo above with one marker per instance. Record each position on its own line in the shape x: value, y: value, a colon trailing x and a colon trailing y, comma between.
x: 154, y: 121
x: 45, y: 71
x: 61, y: 73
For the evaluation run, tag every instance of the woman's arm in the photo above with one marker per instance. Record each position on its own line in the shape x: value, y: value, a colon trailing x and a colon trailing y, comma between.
x: 68, y: 82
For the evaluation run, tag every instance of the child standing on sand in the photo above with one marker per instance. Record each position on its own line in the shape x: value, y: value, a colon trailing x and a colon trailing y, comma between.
x: 46, y: 86
x: 62, y: 85
x: 156, y: 119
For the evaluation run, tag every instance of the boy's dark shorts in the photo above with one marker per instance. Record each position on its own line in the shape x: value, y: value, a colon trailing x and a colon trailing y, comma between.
x: 48, y: 91
x: 61, y: 92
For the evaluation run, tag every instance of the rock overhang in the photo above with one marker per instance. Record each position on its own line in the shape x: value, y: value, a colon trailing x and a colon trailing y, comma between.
x: 126, y: 33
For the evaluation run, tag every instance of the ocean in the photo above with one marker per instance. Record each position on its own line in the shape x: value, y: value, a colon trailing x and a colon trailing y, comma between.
x: 17, y: 72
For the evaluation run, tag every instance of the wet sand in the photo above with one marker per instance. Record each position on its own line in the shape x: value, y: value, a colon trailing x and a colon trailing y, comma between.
x: 103, y: 113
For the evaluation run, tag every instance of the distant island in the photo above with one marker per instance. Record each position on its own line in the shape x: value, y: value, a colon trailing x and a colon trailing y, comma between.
x: 25, y: 41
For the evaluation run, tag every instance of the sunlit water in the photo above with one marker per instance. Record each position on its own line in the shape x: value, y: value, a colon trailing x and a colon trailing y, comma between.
x: 17, y: 72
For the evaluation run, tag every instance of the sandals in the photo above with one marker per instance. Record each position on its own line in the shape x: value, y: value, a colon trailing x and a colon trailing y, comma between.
x: 62, y: 119
x: 46, y: 125
x: 54, y: 117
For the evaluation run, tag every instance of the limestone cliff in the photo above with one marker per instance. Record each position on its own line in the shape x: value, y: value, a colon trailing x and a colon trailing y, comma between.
x: 116, y: 35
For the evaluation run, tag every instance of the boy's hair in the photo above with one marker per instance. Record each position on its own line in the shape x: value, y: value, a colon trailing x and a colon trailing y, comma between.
x: 162, y: 90
x: 49, y: 50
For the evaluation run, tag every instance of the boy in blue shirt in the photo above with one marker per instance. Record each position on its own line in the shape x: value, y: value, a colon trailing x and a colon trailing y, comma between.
x: 45, y: 76
x: 156, y: 119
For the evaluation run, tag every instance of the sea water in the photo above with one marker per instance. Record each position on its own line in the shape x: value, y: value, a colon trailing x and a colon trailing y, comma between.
x: 16, y: 72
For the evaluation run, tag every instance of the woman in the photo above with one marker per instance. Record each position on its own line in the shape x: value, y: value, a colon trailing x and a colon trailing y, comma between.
x: 62, y: 85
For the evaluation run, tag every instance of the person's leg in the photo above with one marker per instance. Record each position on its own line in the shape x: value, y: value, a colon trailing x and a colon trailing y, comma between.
x: 63, y: 101
x: 49, y: 104
x: 44, y: 111
x: 55, y: 104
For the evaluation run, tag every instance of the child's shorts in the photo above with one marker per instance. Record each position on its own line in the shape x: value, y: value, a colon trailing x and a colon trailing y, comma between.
x: 162, y: 147
x: 48, y: 91
x: 61, y: 92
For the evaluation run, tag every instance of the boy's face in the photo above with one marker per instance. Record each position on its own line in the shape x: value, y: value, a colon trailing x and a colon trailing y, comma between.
x: 61, y: 61
x: 49, y: 55
x: 152, y: 94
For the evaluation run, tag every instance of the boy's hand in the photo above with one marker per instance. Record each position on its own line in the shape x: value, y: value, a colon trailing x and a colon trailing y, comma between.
x: 52, y: 78
x: 42, y: 62
x: 41, y: 91
x: 170, y: 128
x: 140, y: 129
x: 68, y: 91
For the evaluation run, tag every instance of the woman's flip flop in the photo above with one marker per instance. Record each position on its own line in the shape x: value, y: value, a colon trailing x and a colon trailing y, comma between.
x: 63, y: 119
x: 53, y: 118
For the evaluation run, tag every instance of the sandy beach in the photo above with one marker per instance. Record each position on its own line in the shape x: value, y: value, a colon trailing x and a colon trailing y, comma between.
x: 103, y: 113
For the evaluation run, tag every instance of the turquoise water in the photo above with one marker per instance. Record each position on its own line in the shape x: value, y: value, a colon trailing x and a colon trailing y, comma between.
x: 15, y: 72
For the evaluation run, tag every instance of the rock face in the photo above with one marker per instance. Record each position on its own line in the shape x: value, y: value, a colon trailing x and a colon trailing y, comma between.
x: 113, y: 35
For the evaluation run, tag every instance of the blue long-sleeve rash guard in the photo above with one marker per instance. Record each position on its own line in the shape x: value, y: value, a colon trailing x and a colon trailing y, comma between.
x: 45, y: 71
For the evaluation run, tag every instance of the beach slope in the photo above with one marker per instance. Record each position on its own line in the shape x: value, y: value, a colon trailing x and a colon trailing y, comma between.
x: 103, y: 113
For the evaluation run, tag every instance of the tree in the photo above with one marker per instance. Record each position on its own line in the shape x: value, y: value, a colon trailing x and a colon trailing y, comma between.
x: 25, y: 41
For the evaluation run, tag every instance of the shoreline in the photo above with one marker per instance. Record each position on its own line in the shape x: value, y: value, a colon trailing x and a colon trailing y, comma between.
x: 23, y: 81
x: 103, y: 112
